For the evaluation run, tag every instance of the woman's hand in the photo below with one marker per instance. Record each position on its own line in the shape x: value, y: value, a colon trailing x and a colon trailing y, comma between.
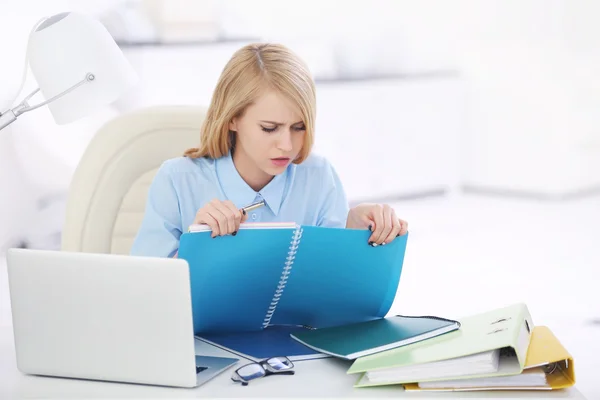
x: 380, y: 218
x: 221, y: 216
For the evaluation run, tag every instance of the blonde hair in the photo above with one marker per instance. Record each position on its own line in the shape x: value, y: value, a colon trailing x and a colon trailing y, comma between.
x: 250, y: 70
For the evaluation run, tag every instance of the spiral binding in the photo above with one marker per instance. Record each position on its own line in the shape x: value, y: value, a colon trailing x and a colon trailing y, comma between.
x: 289, y: 262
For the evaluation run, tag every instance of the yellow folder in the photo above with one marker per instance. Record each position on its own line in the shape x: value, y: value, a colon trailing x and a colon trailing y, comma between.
x: 545, y: 351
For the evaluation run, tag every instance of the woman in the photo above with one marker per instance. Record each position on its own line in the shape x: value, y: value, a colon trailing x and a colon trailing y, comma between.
x: 255, y: 145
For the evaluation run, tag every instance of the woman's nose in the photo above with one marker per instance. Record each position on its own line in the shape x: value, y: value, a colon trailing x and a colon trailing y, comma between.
x: 285, y: 141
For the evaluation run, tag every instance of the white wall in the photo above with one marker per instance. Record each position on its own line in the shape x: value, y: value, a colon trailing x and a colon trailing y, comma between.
x: 533, y: 73
x: 530, y: 69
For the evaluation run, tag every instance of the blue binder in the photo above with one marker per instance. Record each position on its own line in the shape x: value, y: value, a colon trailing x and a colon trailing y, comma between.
x: 294, y: 275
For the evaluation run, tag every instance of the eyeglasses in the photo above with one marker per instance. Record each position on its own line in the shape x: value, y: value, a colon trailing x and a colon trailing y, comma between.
x: 270, y: 366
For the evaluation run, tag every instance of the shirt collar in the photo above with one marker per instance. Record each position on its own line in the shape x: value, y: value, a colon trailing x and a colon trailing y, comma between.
x: 241, y: 194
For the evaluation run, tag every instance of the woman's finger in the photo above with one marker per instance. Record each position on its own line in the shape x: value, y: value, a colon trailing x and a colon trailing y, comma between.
x: 404, y: 227
x: 229, y: 218
x: 235, y: 215
x: 396, y: 228
x: 387, y: 224
x: 215, y: 211
x: 377, y: 216
x: 204, y: 217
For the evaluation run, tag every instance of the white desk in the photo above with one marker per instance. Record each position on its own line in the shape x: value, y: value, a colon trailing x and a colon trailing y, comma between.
x: 322, y: 378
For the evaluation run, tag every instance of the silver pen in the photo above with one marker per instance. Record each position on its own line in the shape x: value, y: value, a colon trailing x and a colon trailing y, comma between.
x: 245, y: 210
x: 253, y: 206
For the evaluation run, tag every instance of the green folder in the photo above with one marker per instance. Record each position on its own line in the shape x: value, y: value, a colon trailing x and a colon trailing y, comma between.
x: 465, y: 353
x: 364, y: 338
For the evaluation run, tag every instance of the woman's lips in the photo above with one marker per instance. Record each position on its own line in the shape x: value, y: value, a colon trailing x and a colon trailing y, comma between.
x: 280, y: 161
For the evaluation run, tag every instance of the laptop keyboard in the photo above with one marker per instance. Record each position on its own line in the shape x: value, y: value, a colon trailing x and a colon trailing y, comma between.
x: 200, y: 369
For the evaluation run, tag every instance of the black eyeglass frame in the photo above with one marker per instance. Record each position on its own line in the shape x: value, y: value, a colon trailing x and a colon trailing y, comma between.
x: 266, y: 367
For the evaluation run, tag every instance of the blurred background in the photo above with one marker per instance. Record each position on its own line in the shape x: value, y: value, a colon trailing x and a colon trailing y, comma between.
x: 478, y: 120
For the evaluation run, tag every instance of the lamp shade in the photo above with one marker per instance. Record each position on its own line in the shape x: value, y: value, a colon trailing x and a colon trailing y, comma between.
x: 63, y: 50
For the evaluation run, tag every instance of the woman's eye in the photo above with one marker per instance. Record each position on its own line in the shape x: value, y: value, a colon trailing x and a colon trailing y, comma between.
x: 300, y: 128
x: 268, y: 130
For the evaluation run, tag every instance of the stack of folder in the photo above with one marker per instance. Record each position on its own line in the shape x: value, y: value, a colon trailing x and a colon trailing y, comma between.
x: 496, y: 350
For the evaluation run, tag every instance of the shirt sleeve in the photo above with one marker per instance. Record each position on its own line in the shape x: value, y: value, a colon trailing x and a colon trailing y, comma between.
x: 160, y: 230
x: 334, y: 212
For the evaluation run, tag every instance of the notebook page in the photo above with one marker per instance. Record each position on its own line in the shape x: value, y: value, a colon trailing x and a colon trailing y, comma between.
x: 338, y: 279
x: 480, y: 363
x: 534, y: 377
x: 234, y: 278
x: 247, y: 225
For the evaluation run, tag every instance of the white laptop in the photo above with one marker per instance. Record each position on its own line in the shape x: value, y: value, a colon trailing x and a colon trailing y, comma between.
x: 106, y: 317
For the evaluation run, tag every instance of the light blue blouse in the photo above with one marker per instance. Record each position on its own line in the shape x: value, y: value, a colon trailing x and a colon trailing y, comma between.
x: 309, y: 194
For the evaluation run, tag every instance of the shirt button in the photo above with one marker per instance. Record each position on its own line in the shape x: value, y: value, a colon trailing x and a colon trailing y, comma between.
x: 253, y: 216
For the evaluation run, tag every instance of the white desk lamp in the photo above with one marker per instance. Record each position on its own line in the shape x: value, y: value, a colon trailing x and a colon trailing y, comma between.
x: 77, y: 65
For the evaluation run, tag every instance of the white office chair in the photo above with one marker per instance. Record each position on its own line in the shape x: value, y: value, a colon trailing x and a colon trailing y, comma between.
x: 107, y: 196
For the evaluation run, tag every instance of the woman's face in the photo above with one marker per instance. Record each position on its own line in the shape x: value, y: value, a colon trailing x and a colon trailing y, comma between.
x: 270, y: 135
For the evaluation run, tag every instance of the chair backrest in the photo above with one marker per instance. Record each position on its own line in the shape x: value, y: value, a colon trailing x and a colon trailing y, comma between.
x: 107, y: 196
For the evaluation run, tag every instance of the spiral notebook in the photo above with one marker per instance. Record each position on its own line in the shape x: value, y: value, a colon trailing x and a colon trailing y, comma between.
x: 288, y: 274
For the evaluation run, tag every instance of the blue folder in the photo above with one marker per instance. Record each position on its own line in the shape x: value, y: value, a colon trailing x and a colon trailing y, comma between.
x: 301, y: 275
x: 274, y: 341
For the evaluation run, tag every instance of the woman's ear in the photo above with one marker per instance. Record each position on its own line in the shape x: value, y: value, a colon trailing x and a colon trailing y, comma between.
x: 233, y: 125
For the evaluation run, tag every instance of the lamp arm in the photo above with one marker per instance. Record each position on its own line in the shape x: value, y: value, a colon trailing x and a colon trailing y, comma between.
x: 26, y: 66
x: 11, y: 115
x: 24, y: 107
